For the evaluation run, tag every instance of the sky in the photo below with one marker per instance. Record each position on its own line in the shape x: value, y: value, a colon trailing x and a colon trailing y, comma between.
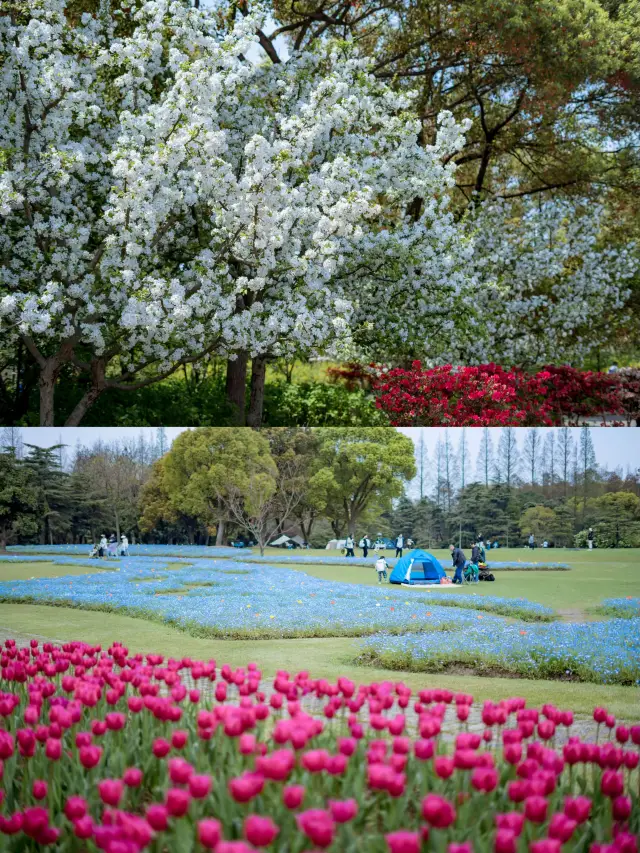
x: 614, y: 447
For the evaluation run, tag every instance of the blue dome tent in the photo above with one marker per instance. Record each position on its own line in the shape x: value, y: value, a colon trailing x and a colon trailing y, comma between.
x: 417, y: 567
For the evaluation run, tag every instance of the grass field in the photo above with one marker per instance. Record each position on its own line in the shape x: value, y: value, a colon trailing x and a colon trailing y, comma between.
x: 593, y: 577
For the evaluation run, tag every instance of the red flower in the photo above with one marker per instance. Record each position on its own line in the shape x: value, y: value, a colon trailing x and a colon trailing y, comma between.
x: 177, y: 802
x: 292, y: 796
x: 535, y: 809
x: 39, y: 789
x: 209, y: 833
x: 199, y: 786
x: 157, y: 816
x: 132, y: 777
x: 612, y: 783
x: 89, y: 756
x: 403, y: 841
x: 317, y: 825
x: 260, y: 831
x: 246, y: 787
x: 438, y: 811
x: 342, y: 811
x: 75, y: 807
x: 621, y: 808
x: 110, y: 791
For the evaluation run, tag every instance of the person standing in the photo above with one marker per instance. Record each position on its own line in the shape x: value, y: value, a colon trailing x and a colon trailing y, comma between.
x: 381, y: 568
x: 532, y: 541
x: 399, y: 545
x: 459, y: 561
x: 349, y: 545
x: 102, y: 548
x: 590, y: 539
x: 366, y: 544
x: 124, y: 546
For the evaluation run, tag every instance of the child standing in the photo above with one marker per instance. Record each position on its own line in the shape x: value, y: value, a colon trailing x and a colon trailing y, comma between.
x: 381, y: 568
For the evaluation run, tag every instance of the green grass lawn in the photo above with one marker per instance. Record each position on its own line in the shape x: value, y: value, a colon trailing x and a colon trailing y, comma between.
x: 324, y: 658
x: 594, y: 577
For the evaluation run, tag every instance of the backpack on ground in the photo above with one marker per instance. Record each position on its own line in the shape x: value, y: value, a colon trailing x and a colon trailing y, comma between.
x: 486, y: 575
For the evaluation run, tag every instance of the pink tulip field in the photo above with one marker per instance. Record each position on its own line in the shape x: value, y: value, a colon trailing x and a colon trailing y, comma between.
x: 105, y: 750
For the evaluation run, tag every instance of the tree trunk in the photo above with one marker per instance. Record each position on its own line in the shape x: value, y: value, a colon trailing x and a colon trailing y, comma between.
x: 3, y: 539
x: 220, y: 533
x: 82, y: 407
x: 47, y: 383
x: 117, y: 520
x: 236, y: 387
x: 256, y: 397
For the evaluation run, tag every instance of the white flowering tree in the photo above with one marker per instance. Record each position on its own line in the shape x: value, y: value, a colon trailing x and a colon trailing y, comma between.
x: 549, y: 281
x: 163, y: 198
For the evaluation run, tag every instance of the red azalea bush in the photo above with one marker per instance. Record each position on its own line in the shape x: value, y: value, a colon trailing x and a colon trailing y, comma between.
x: 105, y: 750
x: 491, y: 395
x: 629, y: 383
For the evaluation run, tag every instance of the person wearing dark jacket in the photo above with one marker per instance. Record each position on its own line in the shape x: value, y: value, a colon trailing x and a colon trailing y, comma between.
x: 476, y: 555
x: 459, y: 560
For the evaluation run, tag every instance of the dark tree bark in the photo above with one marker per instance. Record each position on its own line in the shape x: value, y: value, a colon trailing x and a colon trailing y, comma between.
x: 256, y: 397
x: 236, y: 387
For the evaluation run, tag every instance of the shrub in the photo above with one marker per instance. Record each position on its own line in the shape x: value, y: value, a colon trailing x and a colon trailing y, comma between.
x: 491, y: 395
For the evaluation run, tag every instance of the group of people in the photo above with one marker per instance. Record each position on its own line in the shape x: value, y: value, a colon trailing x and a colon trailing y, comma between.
x: 468, y: 569
x: 111, y: 548
x: 366, y: 545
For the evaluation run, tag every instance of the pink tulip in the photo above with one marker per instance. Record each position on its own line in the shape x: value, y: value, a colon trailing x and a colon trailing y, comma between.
x: 342, y: 811
x: 443, y: 765
x: 90, y: 756
x: 317, y: 825
x: 505, y: 841
x: 199, y: 786
x: 53, y: 749
x: 157, y: 816
x: 209, y: 833
x: 612, y: 783
x: 83, y: 827
x: 403, y: 841
x: 39, y: 789
x: 577, y: 808
x: 161, y: 747
x: 110, y: 791
x: 545, y: 845
x: 260, y: 831
x: 34, y: 821
x: 132, y: 777
x: 177, y: 802
x: 535, y: 809
x: 621, y: 808
x: 513, y: 821
x: 75, y: 807
x: 561, y: 827
x: 246, y: 787
x: 438, y: 811
x: 465, y: 847
x: 292, y: 796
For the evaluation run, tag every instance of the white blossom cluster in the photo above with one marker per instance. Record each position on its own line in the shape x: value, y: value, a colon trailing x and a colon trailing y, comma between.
x: 548, y: 283
x: 162, y: 197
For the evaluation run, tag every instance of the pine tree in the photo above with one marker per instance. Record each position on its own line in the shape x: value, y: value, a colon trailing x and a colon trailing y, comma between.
x: 52, y: 485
